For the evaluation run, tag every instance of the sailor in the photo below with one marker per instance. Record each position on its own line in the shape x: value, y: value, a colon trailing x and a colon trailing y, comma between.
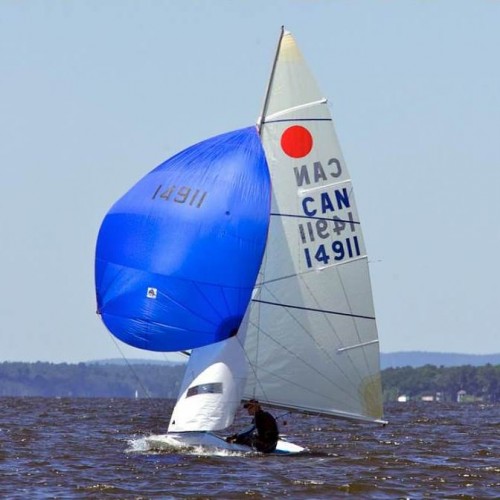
x: 263, y: 435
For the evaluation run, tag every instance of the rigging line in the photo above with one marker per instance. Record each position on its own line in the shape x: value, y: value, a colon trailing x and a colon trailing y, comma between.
x: 321, y: 347
x: 147, y: 323
x: 310, y: 366
x: 332, y: 326
x: 131, y: 368
x: 223, y: 289
x: 311, y: 309
x: 259, y: 329
x: 315, y: 341
x: 274, y: 280
x: 308, y: 271
x: 256, y: 308
x: 295, y: 355
x: 329, y: 219
x: 346, y: 296
x: 257, y: 326
x: 253, y: 366
x: 355, y: 371
x: 196, y: 314
x: 351, y: 361
x: 217, y: 312
x: 309, y: 390
x: 184, y: 307
x: 334, y: 360
x: 351, y: 196
x: 270, y: 83
x: 207, y: 300
x: 241, y: 339
x: 110, y: 283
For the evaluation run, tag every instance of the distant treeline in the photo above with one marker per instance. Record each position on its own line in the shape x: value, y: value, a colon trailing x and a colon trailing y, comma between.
x: 444, y: 383
x: 422, y: 358
x: 90, y: 380
x: 163, y: 381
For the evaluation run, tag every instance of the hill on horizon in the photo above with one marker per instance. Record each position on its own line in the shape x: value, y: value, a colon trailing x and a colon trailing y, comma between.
x: 136, y: 361
x: 387, y: 360
x: 422, y: 358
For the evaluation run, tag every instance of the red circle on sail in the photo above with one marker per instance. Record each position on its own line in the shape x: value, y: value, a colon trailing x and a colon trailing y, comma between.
x: 296, y: 141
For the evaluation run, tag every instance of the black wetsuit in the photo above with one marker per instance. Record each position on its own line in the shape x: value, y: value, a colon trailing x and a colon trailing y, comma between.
x: 267, y: 432
x: 263, y: 436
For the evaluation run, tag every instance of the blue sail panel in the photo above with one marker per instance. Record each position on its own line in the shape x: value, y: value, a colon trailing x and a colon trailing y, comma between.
x: 178, y: 255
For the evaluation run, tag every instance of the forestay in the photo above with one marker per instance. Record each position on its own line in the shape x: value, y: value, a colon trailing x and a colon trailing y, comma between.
x: 312, y: 339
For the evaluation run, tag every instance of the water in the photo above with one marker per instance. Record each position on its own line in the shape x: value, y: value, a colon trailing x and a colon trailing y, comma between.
x: 95, y: 448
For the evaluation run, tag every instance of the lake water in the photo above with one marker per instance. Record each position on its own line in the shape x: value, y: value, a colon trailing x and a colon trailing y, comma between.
x: 95, y: 448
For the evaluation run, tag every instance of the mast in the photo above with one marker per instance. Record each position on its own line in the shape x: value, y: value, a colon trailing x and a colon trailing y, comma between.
x: 268, y: 90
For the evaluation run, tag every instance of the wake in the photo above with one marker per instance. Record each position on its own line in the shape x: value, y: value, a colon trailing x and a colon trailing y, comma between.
x: 163, y: 445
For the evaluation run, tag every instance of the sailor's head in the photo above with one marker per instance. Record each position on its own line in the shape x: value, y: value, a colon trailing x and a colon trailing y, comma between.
x: 252, y: 406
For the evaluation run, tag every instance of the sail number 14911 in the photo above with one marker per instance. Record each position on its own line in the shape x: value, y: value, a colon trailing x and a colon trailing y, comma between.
x: 181, y: 194
x: 339, y: 250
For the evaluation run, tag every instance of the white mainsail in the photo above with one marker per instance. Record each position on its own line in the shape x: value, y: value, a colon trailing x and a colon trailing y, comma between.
x: 312, y: 342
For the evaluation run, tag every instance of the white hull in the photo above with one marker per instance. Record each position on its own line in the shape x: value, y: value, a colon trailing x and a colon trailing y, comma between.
x: 208, y: 440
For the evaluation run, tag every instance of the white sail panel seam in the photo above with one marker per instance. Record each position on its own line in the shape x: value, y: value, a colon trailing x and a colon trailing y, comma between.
x: 314, y: 340
x: 312, y: 367
x: 315, y: 270
x: 346, y: 295
x: 309, y: 389
x: 334, y: 330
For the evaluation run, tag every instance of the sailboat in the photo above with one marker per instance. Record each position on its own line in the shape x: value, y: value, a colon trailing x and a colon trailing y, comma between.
x: 246, y: 251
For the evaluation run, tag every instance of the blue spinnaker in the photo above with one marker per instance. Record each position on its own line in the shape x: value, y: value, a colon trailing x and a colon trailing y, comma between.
x: 178, y: 255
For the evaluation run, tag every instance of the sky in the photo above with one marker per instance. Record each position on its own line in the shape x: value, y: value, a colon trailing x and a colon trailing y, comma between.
x: 95, y: 94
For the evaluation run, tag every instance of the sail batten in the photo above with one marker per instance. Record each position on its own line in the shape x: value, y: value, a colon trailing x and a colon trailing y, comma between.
x: 272, y: 118
x: 348, y: 348
x: 326, y: 185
